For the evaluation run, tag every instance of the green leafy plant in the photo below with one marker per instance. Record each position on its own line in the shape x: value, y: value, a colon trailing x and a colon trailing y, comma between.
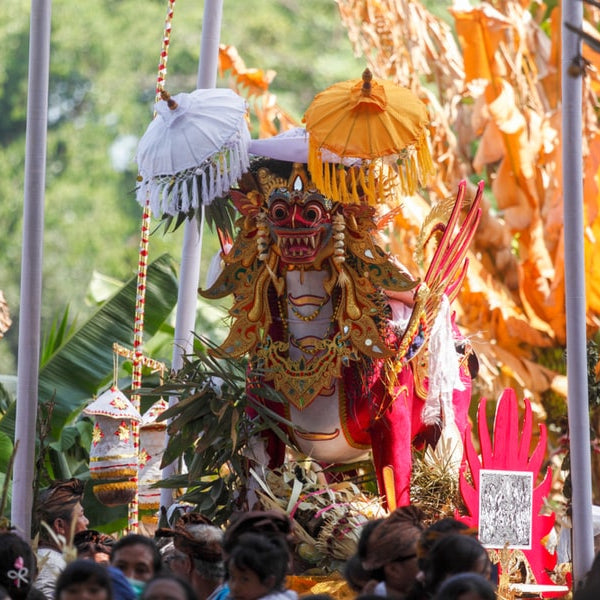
x: 77, y: 364
x: 211, y: 428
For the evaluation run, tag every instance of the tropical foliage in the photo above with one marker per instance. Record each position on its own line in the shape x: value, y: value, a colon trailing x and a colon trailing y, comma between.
x: 78, y: 363
x: 211, y: 431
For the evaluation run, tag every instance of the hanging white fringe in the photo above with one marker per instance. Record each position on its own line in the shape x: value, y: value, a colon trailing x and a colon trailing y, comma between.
x: 170, y: 195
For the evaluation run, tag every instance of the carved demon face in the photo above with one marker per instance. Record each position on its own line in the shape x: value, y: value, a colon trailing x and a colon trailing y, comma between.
x: 300, y: 222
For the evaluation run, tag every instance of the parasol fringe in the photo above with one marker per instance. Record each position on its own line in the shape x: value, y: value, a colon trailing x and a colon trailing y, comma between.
x: 185, y: 196
x: 354, y: 190
x: 171, y: 194
x: 211, y: 182
x: 195, y: 193
x: 334, y: 180
x: 377, y: 180
x: 204, y: 189
x: 327, y: 180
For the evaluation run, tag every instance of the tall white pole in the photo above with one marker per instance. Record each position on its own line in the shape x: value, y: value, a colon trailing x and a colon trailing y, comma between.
x: 189, y: 275
x: 31, y: 265
x: 579, y: 424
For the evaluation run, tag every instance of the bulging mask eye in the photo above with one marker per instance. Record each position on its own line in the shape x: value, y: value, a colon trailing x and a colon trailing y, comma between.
x: 279, y: 211
x: 313, y: 212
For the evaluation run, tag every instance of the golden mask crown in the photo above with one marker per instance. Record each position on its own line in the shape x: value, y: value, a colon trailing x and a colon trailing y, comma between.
x: 298, y: 186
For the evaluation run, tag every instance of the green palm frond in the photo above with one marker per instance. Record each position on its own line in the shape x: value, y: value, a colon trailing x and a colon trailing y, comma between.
x: 83, y: 363
x: 210, y: 428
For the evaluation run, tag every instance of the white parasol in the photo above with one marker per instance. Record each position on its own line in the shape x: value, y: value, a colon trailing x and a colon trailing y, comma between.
x: 193, y: 151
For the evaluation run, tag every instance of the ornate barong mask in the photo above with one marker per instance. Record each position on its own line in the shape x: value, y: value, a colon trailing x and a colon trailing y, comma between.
x: 288, y: 225
x: 299, y: 217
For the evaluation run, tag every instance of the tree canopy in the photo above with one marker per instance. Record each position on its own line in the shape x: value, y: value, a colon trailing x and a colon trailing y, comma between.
x: 103, y: 68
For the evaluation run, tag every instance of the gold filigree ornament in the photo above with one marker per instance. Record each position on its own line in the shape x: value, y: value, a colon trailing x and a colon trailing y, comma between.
x: 360, y: 272
x: 514, y: 569
x: 301, y: 381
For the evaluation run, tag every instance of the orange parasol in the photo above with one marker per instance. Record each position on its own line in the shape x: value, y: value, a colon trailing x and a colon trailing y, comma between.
x: 374, y: 128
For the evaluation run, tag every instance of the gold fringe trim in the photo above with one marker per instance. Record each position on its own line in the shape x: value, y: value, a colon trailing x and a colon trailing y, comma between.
x: 377, y: 181
x: 108, y: 473
x: 115, y: 486
x: 112, y: 457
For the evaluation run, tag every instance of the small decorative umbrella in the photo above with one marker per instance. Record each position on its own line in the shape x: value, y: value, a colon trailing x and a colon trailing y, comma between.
x: 380, y: 126
x: 193, y: 151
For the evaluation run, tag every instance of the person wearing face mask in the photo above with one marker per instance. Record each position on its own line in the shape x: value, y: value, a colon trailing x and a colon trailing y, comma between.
x: 139, y: 559
x: 59, y: 516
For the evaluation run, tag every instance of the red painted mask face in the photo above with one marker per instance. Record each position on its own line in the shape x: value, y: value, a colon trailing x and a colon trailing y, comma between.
x: 300, y: 222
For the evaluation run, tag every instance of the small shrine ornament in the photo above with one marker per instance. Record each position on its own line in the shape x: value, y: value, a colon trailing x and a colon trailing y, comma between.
x: 152, y: 447
x: 113, y: 452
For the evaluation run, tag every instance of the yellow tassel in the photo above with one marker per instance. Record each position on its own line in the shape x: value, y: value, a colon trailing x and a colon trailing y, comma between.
x: 334, y: 180
x: 327, y: 182
x: 343, y: 187
x: 354, y: 196
x: 372, y: 186
x: 314, y: 165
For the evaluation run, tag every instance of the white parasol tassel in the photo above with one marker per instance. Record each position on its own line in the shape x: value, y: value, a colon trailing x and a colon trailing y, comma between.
x: 164, y: 200
x: 212, y: 175
x: 205, y: 195
x: 184, y: 196
x: 195, y: 192
x: 155, y: 199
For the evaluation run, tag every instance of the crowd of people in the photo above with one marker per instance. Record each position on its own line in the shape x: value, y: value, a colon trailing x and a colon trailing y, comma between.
x: 397, y: 557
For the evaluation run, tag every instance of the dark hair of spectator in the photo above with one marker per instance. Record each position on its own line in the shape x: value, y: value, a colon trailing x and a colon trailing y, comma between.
x: 361, y: 549
x: 92, y: 542
x: 132, y: 539
x: 462, y: 583
x: 185, y: 586
x: 269, y: 523
x: 82, y: 571
x: 452, y: 554
x: 355, y: 575
x: 18, y: 566
x: 265, y: 556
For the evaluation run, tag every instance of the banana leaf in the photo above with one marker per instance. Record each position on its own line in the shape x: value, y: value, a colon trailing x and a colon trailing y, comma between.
x: 83, y: 364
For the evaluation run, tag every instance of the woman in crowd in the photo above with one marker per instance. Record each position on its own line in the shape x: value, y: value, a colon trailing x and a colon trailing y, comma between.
x: 391, y: 552
x: 450, y: 555
x: 256, y: 568
x: 17, y: 566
